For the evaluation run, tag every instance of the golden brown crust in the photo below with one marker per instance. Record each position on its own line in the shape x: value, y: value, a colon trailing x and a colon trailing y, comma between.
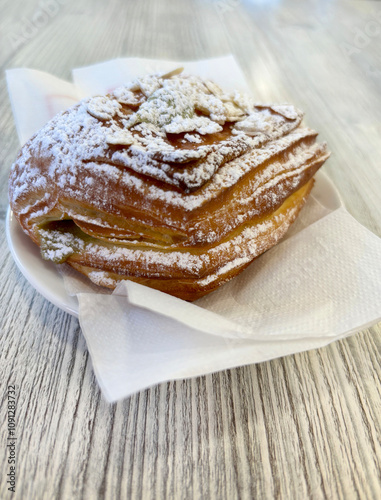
x: 216, y: 268
x: 118, y: 193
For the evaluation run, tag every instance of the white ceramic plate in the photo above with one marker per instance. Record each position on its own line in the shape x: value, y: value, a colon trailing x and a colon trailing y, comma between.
x: 45, y: 278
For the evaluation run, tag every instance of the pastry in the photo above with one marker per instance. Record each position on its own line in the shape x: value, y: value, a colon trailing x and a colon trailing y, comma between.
x: 168, y: 181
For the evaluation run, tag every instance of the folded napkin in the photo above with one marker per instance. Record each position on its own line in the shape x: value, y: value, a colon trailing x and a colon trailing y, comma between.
x: 320, y: 284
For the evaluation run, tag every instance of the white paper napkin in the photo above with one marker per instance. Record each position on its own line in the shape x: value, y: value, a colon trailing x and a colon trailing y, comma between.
x: 320, y: 284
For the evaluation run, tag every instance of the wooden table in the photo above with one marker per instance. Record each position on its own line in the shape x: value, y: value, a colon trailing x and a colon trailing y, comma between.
x: 305, y: 426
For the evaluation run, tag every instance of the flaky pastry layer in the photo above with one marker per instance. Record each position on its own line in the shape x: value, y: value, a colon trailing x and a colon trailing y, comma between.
x: 169, y: 182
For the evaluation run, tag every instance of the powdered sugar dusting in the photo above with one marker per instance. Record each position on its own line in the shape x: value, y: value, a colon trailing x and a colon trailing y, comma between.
x: 239, y: 250
x: 110, y: 128
x: 151, y: 158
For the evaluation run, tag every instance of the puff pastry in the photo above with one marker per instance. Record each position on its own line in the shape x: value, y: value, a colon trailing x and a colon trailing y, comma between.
x: 168, y: 181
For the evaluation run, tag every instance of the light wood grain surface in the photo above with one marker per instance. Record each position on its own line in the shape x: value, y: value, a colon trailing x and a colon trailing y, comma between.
x: 305, y: 426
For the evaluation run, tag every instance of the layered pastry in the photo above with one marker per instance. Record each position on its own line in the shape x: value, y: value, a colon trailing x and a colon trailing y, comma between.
x: 168, y: 181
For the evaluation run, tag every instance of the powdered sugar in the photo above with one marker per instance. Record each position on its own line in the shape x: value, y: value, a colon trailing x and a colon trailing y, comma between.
x: 162, y: 147
x: 93, y: 129
x: 102, y: 108
x: 193, y: 138
x: 58, y: 245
